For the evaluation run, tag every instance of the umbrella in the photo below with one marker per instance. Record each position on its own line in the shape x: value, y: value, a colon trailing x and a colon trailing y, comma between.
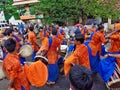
x: 78, y: 25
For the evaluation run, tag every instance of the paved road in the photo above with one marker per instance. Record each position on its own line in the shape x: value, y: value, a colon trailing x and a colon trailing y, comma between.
x: 61, y: 84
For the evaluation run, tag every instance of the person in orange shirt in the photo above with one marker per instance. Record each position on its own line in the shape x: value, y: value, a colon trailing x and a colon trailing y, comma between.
x: 19, y: 40
x: 94, y: 47
x: 80, y: 56
x: 33, y: 41
x: 51, y: 53
x: 13, y: 69
x: 43, y: 33
x: 117, y: 25
x: 43, y: 36
x: 84, y: 30
x: 115, y: 44
x: 52, y: 56
x: 60, y: 34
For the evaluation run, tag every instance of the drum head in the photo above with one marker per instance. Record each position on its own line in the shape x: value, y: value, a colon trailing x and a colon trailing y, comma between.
x: 26, y: 51
x: 43, y: 59
x: 63, y: 48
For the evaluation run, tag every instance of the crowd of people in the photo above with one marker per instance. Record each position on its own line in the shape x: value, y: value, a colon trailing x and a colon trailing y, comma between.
x: 83, y: 56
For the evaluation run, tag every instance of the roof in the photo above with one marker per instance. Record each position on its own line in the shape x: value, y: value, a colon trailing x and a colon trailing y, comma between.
x: 23, y: 2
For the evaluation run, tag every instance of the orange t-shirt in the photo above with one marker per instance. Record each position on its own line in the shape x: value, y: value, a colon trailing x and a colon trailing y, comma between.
x: 52, y: 54
x: 80, y: 56
x: 115, y: 42
x: 81, y: 52
x: 117, y: 26
x: 11, y: 65
x: 32, y: 40
x: 96, y: 42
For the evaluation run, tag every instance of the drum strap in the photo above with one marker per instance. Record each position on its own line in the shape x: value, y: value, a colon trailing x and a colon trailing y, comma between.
x: 50, y: 42
x: 17, y: 39
x: 44, y: 33
x: 84, y: 30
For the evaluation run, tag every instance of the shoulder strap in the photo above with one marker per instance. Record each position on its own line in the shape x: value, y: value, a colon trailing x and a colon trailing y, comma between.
x: 17, y: 39
x: 84, y: 30
x: 50, y: 42
x: 44, y: 33
x: 61, y: 31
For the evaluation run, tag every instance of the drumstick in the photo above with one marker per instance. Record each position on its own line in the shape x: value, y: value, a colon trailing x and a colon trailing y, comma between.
x: 112, y: 33
x: 20, y: 52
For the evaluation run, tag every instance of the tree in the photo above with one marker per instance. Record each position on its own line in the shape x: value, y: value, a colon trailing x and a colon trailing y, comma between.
x: 9, y: 9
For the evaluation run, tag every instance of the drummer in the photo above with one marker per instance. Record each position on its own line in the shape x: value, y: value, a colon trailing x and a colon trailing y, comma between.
x: 43, y: 37
x: 80, y: 56
x: 19, y: 42
x: 13, y: 69
x: 50, y: 50
x: 60, y: 34
x: 115, y: 42
x: 94, y: 47
x: 33, y: 41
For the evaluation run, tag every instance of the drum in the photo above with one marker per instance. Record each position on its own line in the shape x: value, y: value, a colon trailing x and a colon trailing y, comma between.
x: 2, y: 75
x: 26, y: 51
x: 114, y: 81
x: 63, y: 48
x: 1, y: 53
x: 42, y: 58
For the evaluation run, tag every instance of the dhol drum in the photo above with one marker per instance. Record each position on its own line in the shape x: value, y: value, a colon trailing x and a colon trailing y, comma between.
x: 42, y: 58
x: 26, y: 50
x: 37, y: 72
x: 114, y: 81
x: 63, y: 48
x: 2, y: 74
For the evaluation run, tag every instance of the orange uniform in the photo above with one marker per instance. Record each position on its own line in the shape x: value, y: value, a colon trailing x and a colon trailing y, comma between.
x: 43, y: 34
x: 61, y: 35
x: 117, y: 25
x: 52, y: 54
x: 115, y: 44
x: 84, y: 31
x: 32, y: 40
x: 79, y: 56
x: 45, y: 44
x: 11, y: 65
x: 37, y: 73
x: 96, y: 42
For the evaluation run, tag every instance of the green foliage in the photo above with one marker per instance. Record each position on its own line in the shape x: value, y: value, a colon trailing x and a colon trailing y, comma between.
x: 9, y: 9
x: 62, y: 10
x: 68, y: 10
